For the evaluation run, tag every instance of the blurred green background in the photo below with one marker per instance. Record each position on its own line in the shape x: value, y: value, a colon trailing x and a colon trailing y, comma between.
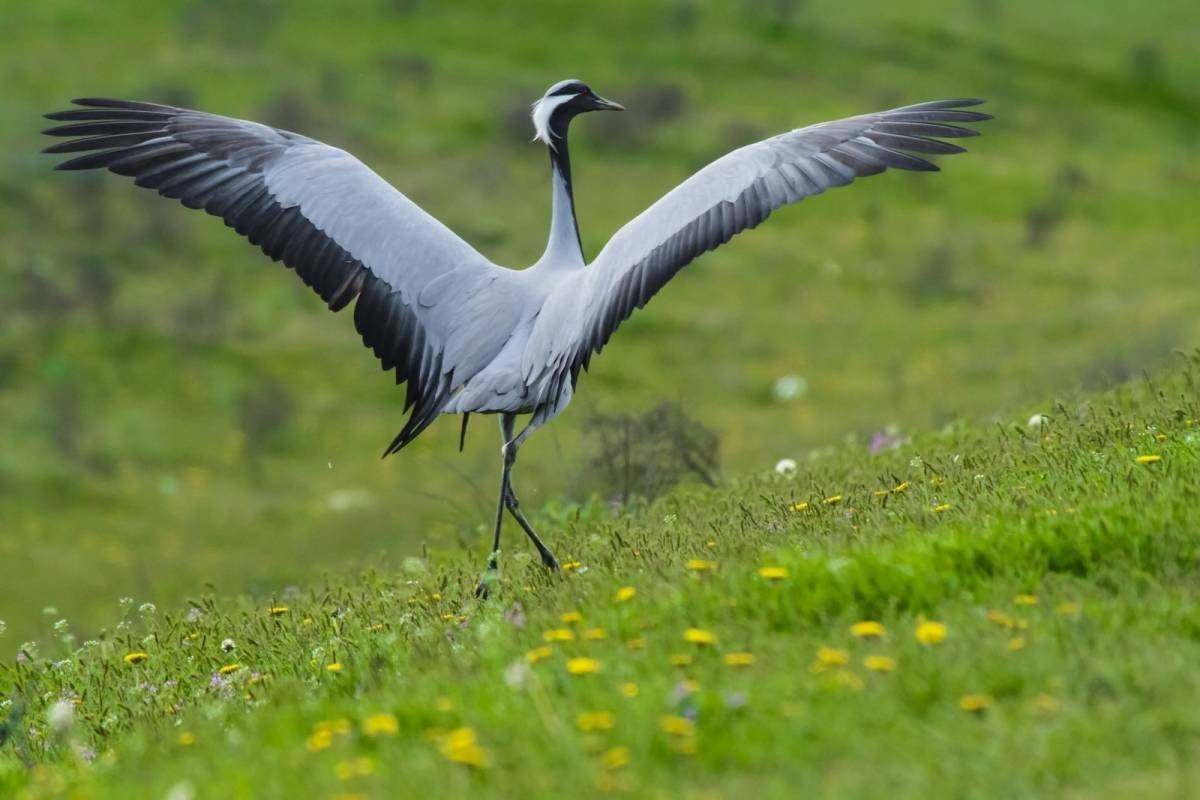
x: 176, y: 410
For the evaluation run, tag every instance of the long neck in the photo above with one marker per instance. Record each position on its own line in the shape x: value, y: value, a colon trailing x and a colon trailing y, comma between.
x: 564, y: 247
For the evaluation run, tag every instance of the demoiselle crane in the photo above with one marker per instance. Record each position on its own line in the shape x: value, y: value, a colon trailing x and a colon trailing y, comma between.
x: 467, y: 335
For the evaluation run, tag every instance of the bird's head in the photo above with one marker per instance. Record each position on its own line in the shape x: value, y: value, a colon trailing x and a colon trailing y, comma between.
x: 559, y: 105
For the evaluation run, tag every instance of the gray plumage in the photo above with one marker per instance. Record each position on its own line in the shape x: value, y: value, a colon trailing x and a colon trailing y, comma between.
x: 465, y: 334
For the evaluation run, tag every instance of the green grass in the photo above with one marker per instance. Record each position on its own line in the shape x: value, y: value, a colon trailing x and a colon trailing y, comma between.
x: 1062, y: 567
x: 139, y: 337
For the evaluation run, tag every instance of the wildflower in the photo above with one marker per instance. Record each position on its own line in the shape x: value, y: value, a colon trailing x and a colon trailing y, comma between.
x: 615, y: 758
x: 583, y: 666
x: 1148, y: 459
x: 798, y: 507
x: 381, y: 725
x: 680, y: 659
x: 880, y: 493
x: 677, y: 726
x: 739, y: 659
x: 186, y: 738
x: 700, y: 565
x: 347, y: 770
x: 785, y: 466
x: 571, y: 566
x: 462, y: 747
x: 319, y: 740
x: 699, y: 636
x: 830, y: 657
x: 625, y: 593
x: 558, y: 635
x: 335, y: 666
x: 789, y: 387
x: 1016, y: 643
x: 941, y: 508
x: 975, y: 703
x: 595, y: 634
x: 1026, y: 600
x: 595, y: 721
x: 276, y: 611
x: 879, y: 663
x: 931, y: 633
x: 227, y: 646
x: 571, y: 618
x: 868, y: 629
x: 629, y: 689
x: 229, y: 669
x: 772, y: 573
x: 539, y: 654
x: 135, y: 658
x: 833, y: 500
x: 60, y: 715
x: 900, y: 488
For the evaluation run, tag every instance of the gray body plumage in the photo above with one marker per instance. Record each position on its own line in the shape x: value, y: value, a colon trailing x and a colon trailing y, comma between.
x: 465, y: 334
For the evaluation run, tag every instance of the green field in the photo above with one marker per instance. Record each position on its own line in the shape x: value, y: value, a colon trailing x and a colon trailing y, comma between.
x: 183, y: 419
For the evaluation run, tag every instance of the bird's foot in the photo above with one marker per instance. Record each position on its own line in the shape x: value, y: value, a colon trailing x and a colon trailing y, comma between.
x: 490, y: 577
x: 549, y: 561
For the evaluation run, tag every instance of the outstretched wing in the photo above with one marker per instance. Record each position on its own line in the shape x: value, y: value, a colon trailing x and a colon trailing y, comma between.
x: 736, y: 192
x: 344, y: 230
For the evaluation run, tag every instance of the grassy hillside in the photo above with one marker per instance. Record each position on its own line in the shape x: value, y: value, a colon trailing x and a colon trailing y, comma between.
x: 175, y: 410
x: 988, y: 611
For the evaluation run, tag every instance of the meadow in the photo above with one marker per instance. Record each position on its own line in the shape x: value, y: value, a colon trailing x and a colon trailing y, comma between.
x: 188, y: 430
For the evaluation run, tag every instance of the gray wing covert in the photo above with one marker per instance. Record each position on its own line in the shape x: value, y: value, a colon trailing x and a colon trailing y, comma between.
x: 344, y: 230
x: 737, y: 192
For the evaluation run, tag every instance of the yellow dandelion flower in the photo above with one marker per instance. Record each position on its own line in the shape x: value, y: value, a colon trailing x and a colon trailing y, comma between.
x: 558, y: 635
x: 583, y: 666
x: 615, y: 758
x: 1001, y: 619
x: 900, y: 487
x: 700, y: 565
x: 677, y: 726
x: 276, y: 611
x: 381, y: 725
x: 590, y: 721
x: 626, y: 593
x: 1044, y: 702
x: 772, y: 573
x: 595, y: 634
x: 539, y: 654
x: 186, y: 738
x: 868, y: 629
x: 830, y: 657
x: 739, y: 659
x: 1148, y: 459
x: 335, y: 666
x: 571, y: 618
x: 135, y: 658
x: 570, y: 566
x: 879, y: 663
x: 339, y: 726
x: 320, y: 740
x: 699, y: 636
x: 833, y: 500
x: 975, y: 703
x: 1068, y: 609
x: 1160, y: 437
x: 306, y: 621
x: 229, y: 669
x: 629, y: 689
x: 680, y: 659
x: 931, y: 633
x: 798, y: 507
x: 941, y: 508
x: 1026, y: 600
x: 1016, y: 643
x: 462, y: 747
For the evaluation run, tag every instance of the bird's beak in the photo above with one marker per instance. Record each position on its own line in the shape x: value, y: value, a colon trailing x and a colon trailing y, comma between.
x: 600, y: 104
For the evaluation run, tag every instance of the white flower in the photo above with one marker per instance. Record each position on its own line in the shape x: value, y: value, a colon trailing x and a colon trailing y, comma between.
x: 786, y: 466
x: 789, y: 387
x: 147, y: 608
x: 1037, y: 420
x: 60, y: 715
x: 227, y: 645
x: 517, y: 673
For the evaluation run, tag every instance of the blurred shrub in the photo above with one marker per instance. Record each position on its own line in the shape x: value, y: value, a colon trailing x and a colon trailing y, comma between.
x: 644, y: 455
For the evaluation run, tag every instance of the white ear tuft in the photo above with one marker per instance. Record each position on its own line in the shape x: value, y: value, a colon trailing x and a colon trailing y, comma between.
x: 542, y: 110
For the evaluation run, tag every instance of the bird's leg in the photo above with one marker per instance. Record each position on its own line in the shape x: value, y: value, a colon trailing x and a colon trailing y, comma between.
x: 514, y: 505
x: 508, y: 452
